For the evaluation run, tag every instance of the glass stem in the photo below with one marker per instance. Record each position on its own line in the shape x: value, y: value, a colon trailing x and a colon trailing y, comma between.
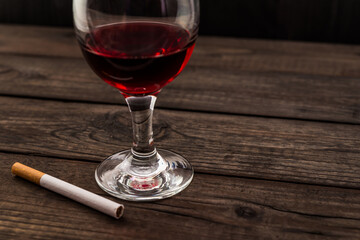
x: 141, y: 109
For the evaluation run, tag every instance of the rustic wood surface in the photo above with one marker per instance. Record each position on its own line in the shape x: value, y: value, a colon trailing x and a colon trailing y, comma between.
x: 242, y: 209
x: 264, y: 78
x: 276, y: 149
x: 271, y: 128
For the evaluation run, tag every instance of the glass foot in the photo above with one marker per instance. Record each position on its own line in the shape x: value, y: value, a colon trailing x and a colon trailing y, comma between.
x: 135, y: 177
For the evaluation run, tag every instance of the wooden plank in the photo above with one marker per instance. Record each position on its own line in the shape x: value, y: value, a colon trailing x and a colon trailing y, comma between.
x: 276, y: 149
x: 35, y: 40
x: 266, y: 78
x: 212, y: 207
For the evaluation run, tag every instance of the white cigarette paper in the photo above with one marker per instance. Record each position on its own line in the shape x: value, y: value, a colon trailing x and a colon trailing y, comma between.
x: 68, y: 190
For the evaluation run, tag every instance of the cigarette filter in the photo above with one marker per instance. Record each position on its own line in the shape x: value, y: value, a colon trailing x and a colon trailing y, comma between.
x: 68, y: 190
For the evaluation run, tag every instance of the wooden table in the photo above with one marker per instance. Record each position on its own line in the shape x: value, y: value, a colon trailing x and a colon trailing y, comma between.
x: 271, y: 128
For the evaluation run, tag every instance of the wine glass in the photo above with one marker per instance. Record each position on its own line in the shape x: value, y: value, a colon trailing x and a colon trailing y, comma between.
x: 138, y: 47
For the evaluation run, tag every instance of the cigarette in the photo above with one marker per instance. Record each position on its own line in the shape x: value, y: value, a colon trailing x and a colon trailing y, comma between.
x: 68, y: 190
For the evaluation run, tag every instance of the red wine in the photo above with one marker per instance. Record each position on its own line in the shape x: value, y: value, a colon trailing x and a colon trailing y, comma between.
x: 138, y: 58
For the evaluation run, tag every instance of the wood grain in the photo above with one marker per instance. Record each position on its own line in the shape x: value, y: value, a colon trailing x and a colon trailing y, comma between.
x: 212, y: 207
x: 265, y: 78
x: 263, y: 177
x: 276, y: 149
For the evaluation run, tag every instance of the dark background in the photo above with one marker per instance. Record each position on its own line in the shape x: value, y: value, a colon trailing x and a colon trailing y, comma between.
x: 334, y: 21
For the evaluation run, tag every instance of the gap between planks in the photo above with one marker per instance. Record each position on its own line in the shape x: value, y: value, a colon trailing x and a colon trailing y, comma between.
x: 122, y: 104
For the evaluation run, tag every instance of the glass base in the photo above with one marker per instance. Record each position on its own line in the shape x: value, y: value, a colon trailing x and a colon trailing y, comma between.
x: 134, y: 177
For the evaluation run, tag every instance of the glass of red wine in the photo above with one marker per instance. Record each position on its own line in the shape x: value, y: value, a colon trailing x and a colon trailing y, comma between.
x: 138, y: 47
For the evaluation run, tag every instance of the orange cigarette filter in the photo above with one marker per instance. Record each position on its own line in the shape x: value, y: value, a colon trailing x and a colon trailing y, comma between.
x: 27, y: 173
